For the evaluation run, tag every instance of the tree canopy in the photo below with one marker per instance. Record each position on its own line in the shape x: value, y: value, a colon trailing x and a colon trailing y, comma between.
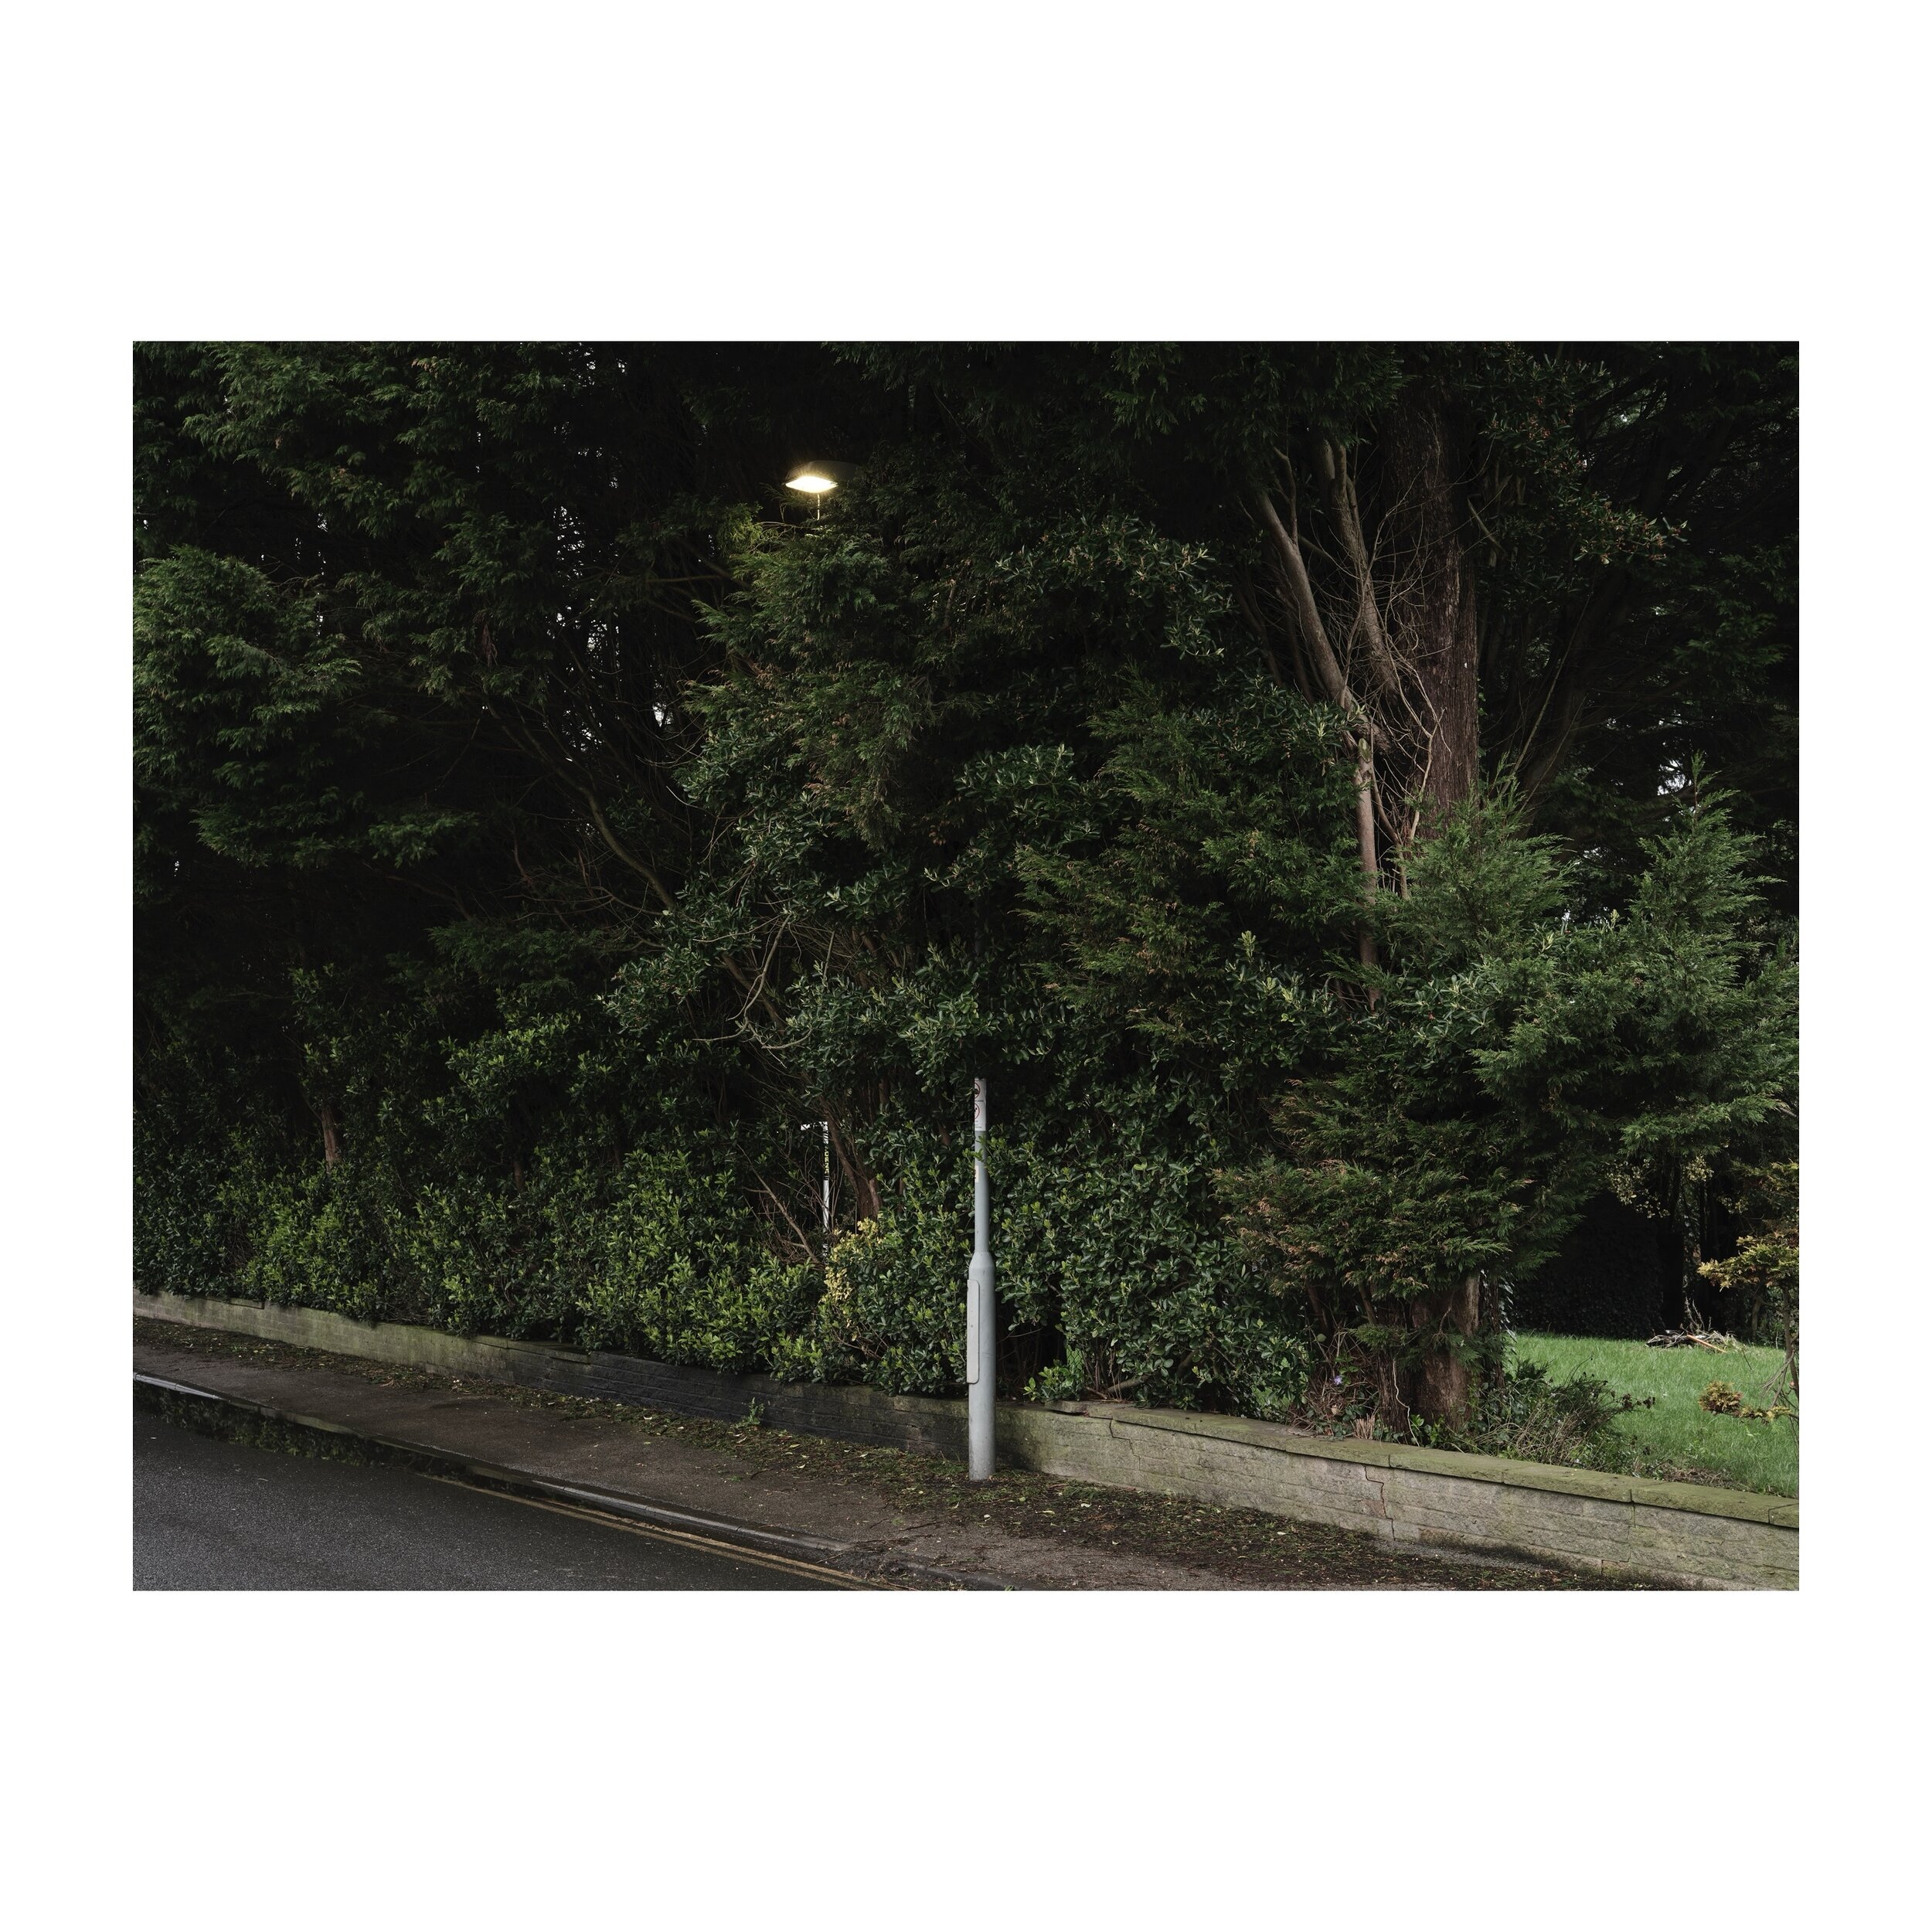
x: 1343, y: 795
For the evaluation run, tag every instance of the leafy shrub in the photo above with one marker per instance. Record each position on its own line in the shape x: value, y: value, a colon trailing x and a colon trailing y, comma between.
x: 892, y: 1313
x: 1114, y: 1254
x: 1523, y: 1415
x: 677, y: 1270
x: 1720, y: 1399
x: 1063, y: 1381
x: 181, y: 1232
x: 462, y: 1241
x: 1112, y: 1241
x: 308, y: 1238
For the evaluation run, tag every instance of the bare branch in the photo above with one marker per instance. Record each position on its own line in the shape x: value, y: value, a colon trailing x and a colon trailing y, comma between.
x: 1346, y: 508
x: 1308, y: 614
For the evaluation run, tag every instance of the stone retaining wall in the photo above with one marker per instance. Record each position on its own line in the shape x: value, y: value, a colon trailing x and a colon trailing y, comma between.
x: 1675, y: 1532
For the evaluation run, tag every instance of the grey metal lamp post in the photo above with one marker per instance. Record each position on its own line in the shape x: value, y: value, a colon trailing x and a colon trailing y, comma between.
x: 981, y: 1355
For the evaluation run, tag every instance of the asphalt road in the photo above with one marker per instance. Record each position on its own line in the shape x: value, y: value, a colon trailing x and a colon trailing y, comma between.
x: 219, y: 1516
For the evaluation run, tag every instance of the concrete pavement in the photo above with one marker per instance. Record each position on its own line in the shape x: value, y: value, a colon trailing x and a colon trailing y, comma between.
x: 871, y: 1515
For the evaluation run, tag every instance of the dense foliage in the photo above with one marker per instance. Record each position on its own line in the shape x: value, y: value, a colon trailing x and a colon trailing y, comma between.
x: 1345, y: 799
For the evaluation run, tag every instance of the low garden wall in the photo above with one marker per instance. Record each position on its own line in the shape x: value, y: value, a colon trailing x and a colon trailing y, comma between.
x: 1675, y: 1532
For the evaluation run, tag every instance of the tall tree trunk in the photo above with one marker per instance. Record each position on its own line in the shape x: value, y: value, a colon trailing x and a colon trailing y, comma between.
x: 1436, y: 623
x: 1396, y: 654
x: 1435, y: 597
x: 1439, y: 1389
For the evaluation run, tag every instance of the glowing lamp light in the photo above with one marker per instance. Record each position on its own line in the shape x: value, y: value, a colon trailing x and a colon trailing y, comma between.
x: 817, y: 479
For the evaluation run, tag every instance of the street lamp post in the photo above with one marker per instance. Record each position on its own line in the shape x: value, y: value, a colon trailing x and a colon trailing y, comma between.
x: 818, y: 480
x: 980, y: 1357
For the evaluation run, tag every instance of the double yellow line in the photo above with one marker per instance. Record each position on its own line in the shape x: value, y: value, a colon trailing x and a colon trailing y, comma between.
x: 739, y: 1552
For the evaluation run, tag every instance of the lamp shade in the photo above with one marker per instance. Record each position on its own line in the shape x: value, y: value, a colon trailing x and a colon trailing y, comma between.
x: 816, y: 479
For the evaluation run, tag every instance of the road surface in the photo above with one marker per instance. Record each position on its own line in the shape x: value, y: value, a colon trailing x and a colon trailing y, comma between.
x: 219, y: 1516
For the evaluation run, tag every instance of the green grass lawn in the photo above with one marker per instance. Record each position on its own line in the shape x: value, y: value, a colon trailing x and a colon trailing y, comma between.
x: 1753, y: 1455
